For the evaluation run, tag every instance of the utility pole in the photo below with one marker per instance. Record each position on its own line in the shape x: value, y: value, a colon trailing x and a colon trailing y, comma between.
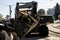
x: 10, y: 10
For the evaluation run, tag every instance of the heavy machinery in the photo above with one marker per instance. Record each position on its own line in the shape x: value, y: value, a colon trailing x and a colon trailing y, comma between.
x: 27, y: 20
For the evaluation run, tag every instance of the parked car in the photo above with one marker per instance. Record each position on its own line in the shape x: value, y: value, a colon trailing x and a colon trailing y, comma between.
x: 45, y: 19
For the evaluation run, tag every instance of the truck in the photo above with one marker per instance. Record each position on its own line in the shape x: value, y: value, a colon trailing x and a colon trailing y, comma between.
x: 27, y: 21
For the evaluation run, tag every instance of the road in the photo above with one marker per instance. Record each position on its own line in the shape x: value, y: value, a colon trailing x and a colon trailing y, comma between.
x: 54, y: 34
x: 47, y: 38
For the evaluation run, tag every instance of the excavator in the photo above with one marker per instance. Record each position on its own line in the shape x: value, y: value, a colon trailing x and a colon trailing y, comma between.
x: 27, y: 22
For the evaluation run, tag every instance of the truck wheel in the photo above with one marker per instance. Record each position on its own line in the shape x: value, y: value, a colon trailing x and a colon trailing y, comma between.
x: 43, y: 31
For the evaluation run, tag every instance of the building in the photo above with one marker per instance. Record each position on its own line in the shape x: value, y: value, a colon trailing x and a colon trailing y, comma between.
x: 51, y: 11
x: 7, y: 17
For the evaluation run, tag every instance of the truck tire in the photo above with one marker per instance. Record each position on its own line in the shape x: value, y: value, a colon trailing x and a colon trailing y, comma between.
x: 43, y: 31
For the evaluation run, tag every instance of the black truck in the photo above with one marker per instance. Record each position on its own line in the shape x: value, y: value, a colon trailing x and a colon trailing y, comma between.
x: 27, y: 22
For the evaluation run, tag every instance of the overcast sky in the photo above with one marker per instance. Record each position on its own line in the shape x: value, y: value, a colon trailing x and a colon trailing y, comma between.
x: 44, y: 4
